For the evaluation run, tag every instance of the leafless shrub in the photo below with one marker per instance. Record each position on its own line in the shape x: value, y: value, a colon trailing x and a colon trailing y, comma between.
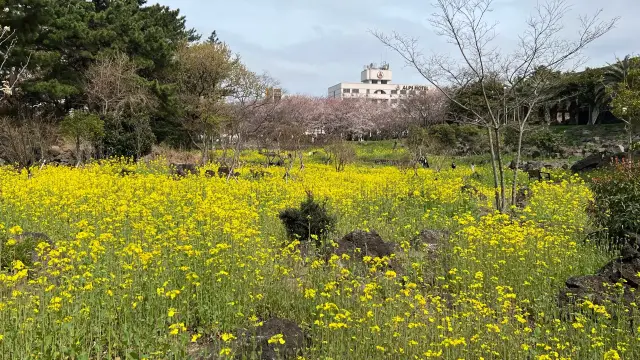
x: 24, y: 141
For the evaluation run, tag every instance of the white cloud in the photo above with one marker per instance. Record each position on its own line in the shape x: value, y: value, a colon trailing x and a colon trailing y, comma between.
x: 310, y: 45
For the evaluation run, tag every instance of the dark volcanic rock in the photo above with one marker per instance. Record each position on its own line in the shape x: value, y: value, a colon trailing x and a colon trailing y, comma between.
x: 601, y: 288
x: 256, y: 340
x: 433, y: 240
x: 473, y: 192
x: 182, y: 170
x: 368, y: 243
x: 522, y: 197
x: 599, y: 160
x: 24, y: 248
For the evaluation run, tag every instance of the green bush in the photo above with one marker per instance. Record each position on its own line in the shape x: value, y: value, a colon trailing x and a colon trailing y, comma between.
x: 128, y: 137
x: 459, y: 139
x: 310, y: 221
x: 616, y: 205
x: 443, y: 133
x: 541, y: 139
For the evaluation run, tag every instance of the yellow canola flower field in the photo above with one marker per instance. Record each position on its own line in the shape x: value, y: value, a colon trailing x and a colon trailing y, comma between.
x: 148, y: 266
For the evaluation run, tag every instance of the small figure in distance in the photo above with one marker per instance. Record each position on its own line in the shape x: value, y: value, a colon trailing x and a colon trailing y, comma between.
x: 424, y: 162
x: 453, y: 165
x: 473, y: 167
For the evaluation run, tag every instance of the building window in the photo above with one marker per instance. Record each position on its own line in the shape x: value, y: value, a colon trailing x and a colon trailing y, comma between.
x: 394, y: 92
x: 384, y: 81
x: 346, y: 91
x: 355, y: 91
x: 403, y: 92
x: 374, y: 81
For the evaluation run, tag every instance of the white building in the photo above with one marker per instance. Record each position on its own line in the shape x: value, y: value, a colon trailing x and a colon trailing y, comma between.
x: 375, y: 84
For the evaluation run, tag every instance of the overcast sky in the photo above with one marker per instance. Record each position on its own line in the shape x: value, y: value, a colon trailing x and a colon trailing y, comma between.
x: 310, y: 45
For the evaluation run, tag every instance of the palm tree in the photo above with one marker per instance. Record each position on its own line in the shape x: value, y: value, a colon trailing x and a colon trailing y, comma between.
x: 598, y: 99
x: 619, y: 81
x: 618, y: 72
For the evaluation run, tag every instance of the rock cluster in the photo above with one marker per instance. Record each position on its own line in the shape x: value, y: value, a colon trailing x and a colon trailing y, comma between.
x: 600, y: 288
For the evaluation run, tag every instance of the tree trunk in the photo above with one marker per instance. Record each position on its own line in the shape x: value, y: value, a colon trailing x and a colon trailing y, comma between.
x: 236, y: 158
x: 205, y: 150
x: 547, y: 115
x: 78, y: 154
x: 630, y: 150
x: 515, y: 171
x: 224, y: 152
x: 301, y: 155
x: 496, y: 131
x: 594, y: 111
x: 495, y: 170
x: 289, y: 166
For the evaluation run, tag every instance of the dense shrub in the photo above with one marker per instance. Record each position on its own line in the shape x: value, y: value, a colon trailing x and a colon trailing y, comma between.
x: 443, y: 133
x: 310, y: 221
x: 128, y: 137
x: 459, y: 139
x: 617, y: 202
x: 541, y: 139
x: 341, y: 153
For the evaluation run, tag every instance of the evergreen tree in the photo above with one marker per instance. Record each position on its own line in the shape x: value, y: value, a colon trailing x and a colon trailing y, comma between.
x: 213, y: 38
x: 63, y: 39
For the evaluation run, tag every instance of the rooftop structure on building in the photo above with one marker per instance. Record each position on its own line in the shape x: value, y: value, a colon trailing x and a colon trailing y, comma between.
x: 376, y: 85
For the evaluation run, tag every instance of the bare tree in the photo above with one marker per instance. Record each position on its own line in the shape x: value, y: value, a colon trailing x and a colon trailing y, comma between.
x: 113, y: 86
x: 424, y: 108
x: 289, y: 128
x: 116, y: 92
x: 12, y: 76
x: 24, y: 140
x: 465, y: 24
x: 250, y: 109
x: 205, y: 76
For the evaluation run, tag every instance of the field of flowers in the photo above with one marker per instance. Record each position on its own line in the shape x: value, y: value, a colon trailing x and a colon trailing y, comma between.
x: 147, y: 266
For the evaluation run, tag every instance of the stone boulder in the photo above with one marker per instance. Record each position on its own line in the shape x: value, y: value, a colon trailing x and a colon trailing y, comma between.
x: 536, y: 154
x: 616, y: 148
x: 591, y: 162
x: 224, y: 171
x: 126, y: 172
x: 359, y: 244
x: 527, y: 165
x: 600, y: 160
x: 522, y: 196
x: 255, y: 341
x: 432, y: 240
x: 24, y: 248
x: 473, y: 192
x: 533, y: 166
x: 182, y: 170
x: 600, y: 288
x: 57, y: 155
